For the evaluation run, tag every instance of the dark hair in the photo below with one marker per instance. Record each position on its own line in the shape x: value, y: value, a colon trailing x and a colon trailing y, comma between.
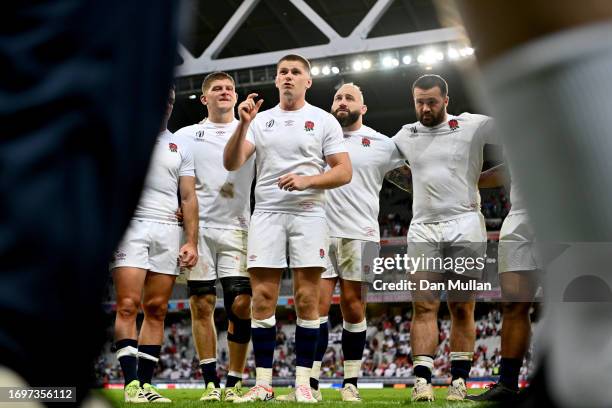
x: 295, y: 57
x: 429, y: 81
x: 214, y: 77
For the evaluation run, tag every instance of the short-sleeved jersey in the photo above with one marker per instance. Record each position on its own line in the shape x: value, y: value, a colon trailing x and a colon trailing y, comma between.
x: 292, y: 142
x: 172, y: 158
x: 352, y: 209
x: 224, y: 197
x: 446, y: 162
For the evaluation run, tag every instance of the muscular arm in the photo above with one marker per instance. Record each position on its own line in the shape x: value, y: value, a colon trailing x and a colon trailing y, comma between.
x: 496, y: 176
x: 189, y: 204
x: 400, y: 177
x: 340, y: 174
x: 237, y: 150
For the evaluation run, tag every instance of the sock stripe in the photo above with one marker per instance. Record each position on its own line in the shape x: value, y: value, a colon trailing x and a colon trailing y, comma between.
x: 147, y: 357
x: 127, y: 351
x: 355, y: 327
x: 461, y: 356
x: 308, y: 324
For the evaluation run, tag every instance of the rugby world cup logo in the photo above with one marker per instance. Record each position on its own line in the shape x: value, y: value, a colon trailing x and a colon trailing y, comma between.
x: 308, y: 126
x: 172, y: 147
x: 453, y: 124
x: 365, y: 142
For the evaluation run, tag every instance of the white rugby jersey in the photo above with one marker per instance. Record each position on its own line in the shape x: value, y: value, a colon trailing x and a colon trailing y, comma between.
x: 352, y: 209
x: 516, y: 198
x: 292, y: 142
x: 224, y: 196
x: 446, y: 162
x: 172, y: 158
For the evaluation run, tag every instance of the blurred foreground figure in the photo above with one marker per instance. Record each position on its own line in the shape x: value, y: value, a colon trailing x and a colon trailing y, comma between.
x: 81, y: 100
x: 547, y: 77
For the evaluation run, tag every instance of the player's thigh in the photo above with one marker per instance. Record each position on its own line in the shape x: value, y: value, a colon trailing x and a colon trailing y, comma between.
x: 331, y: 257
x: 519, y: 286
x: 308, y: 241
x: 133, y: 250
x: 466, y: 245
x: 356, y: 259
x: 157, y: 289
x: 427, y: 286
x: 424, y: 248
x: 326, y: 293
x: 232, y: 254
x: 205, y: 269
x: 267, y: 241
x: 128, y: 282
x: 164, y: 248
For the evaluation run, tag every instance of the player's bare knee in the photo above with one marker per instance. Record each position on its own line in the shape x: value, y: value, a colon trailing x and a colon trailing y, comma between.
x: 304, y: 300
x: 202, y: 306
x: 461, y: 311
x: 127, y: 308
x: 155, y: 309
x: 264, y: 304
x: 515, y: 310
x: 352, y: 309
x: 425, y: 310
x: 241, y: 306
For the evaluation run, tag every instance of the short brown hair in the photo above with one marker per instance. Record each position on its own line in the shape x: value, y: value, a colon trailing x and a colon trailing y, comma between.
x: 214, y: 77
x: 295, y: 57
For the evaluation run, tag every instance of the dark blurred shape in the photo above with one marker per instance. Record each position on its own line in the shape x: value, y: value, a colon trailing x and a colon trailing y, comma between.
x: 82, y: 94
x: 587, y: 289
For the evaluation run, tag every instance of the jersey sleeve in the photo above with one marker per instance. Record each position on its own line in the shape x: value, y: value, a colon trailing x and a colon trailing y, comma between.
x: 399, y: 144
x: 487, y: 131
x: 333, y: 139
x: 396, y: 159
x: 187, y: 162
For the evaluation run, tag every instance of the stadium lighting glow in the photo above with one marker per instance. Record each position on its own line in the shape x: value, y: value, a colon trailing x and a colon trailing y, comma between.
x: 315, y: 70
x: 325, y: 70
x: 387, y: 62
x: 335, y: 70
x: 466, y: 51
x: 366, y: 63
x: 453, y: 54
x: 430, y: 57
x: 192, y: 96
x: 407, y: 59
x: 357, y: 66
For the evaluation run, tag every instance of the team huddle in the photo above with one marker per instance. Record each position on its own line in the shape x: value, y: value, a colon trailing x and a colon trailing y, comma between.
x: 317, y: 181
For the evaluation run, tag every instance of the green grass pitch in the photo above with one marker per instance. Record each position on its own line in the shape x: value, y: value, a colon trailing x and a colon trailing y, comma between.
x: 383, y: 398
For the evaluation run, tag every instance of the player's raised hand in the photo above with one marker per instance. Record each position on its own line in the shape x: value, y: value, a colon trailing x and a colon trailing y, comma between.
x: 291, y: 182
x: 249, y: 108
x: 188, y: 255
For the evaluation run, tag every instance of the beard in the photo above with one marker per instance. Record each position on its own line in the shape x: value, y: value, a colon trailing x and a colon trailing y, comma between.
x: 432, y: 119
x: 345, y: 118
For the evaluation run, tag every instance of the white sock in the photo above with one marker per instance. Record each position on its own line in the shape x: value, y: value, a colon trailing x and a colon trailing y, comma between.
x: 351, y: 368
x: 263, y: 376
x: 315, y: 372
x: 302, y: 376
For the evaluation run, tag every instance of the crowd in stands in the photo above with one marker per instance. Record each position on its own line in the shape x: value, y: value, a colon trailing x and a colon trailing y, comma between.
x: 387, y: 352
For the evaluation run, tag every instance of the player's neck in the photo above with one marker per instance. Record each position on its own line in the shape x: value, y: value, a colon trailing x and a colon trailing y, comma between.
x: 290, y: 104
x: 355, y: 126
x: 221, y: 117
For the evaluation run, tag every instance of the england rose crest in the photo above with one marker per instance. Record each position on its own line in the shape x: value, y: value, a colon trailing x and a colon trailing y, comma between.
x: 308, y: 126
x: 322, y: 253
x: 453, y: 124
x: 172, y: 147
x: 365, y: 142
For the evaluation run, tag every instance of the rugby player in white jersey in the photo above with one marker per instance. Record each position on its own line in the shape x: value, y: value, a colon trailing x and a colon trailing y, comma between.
x: 224, y: 201
x: 518, y: 264
x: 294, y: 141
x: 147, y: 260
x: 445, y: 154
x: 352, y: 216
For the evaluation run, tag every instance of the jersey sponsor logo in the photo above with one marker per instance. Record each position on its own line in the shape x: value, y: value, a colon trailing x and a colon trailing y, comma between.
x: 199, y: 136
x: 308, y: 126
x: 118, y: 256
x: 369, y: 231
x: 173, y: 148
x: 413, y: 129
x: 365, y: 142
x: 306, y: 205
x: 289, y: 122
x: 252, y: 257
x: 322, y: 253
x: 270, y: 123
x: 453, y: 124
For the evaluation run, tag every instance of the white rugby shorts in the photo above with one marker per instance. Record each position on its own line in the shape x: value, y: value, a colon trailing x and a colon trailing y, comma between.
x: 516, y: 250
x: 222, y: 254
x: 149, y: 245
x: 462, y: 239
x: 351, y: 259
x: 274, y: 237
